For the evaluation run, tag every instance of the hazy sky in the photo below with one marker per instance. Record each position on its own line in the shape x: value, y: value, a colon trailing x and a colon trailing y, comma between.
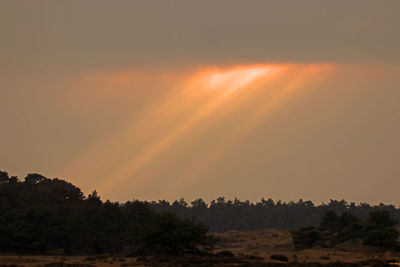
x: 164, y: 99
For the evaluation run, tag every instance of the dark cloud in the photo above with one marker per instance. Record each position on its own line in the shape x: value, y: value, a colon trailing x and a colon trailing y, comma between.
x: 109, y: 34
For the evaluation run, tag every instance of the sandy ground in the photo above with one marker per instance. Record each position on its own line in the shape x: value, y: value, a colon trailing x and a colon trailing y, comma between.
x: 78, y: 261
x: 265, y: 243
x: 262, y: 244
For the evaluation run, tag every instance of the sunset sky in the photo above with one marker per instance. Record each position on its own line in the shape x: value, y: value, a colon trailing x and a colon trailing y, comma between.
x: 198, y: 99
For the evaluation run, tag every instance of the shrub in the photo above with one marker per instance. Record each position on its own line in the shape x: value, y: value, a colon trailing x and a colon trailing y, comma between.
x: 305, y: 237
x: 171, y: 235
x: 379, y: 230
x: 279, y: 257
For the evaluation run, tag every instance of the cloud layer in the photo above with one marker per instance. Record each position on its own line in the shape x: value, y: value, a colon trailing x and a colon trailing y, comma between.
x: 163, y: 99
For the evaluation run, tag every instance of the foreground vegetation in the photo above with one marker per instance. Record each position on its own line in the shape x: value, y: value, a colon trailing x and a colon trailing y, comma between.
x: 378, y: 231
x: 40, y: 215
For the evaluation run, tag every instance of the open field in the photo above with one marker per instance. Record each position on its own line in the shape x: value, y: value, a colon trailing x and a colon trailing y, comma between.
x: 265, y: 243
x: 254, y: 248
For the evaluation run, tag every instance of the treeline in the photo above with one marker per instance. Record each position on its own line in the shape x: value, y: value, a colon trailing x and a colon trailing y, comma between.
x: 223, y: 215
x: 38, y: 215
x: 41, y: 215
x: 378, y: 230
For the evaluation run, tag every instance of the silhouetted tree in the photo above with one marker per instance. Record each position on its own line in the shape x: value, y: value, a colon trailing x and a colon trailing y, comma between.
x: 380, y: 230
x: 42, y: 214
x: 170, y: 234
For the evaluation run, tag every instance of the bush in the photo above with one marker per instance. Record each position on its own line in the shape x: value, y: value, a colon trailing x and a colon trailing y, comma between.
x: 305, y: 237
x: 279, y: 257
x: 378, y: 231
x: 172, y: 235
x: 381, y: 237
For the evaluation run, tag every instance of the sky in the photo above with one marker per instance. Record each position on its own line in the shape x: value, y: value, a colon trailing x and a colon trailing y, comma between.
x: 198, y: 99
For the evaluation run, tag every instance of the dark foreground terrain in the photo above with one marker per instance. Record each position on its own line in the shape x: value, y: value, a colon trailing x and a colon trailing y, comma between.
x: 212, y: 260
x: 221, y: 259
x: 269, y: 247
x: 50, y: 222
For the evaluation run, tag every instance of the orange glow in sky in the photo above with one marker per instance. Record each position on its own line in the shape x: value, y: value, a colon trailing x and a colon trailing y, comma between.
x: 273, y: 99
x: 193, y: 105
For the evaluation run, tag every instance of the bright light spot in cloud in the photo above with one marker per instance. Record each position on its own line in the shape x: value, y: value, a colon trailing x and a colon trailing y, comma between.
x: 228, y: 81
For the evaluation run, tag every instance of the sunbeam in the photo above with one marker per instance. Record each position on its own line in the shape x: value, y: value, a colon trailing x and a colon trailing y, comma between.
x: 194, y: 104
